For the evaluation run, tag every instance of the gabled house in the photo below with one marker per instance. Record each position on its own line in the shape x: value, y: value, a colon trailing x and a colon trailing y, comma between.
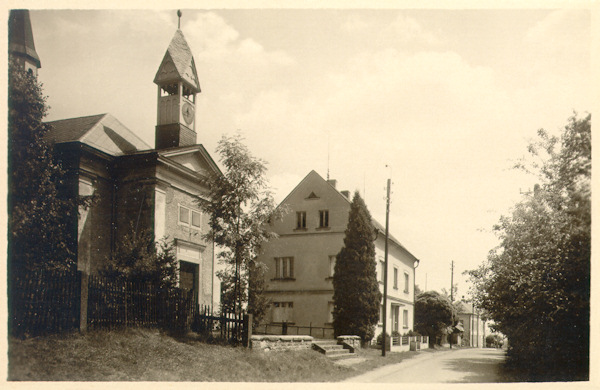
x: 135, y: 187
x: 301, y: 261
x: 471, y: 325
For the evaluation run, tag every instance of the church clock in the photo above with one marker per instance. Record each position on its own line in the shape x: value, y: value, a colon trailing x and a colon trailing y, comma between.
x: 187, y: 110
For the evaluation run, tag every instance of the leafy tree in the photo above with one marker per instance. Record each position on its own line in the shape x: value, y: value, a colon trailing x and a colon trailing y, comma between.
x: 417, y: 290
x: 356, y: 294
x: 42, y: 211
x: 139, y: 258
x: 240, y: 207
x: 434, y: 314
x: 536, y: 284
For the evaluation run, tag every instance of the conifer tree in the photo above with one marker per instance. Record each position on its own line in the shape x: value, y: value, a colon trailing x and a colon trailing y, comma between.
x: 40, y: 216
x: 356, y: 294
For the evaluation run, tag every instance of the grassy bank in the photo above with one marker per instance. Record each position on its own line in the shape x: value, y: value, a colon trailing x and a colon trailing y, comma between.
x: 148, y: 355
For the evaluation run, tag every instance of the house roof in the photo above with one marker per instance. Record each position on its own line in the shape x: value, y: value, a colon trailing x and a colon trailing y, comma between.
x: 103, y: 132
x: 464, y: 307
x: 378, y: 227
x: 178, y: 63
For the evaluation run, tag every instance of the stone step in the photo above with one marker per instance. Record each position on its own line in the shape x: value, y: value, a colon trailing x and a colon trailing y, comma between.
x: 335, y: 352
x: 331, y: 349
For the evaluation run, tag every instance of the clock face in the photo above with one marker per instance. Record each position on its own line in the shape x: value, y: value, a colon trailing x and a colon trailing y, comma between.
x: 188, y: 113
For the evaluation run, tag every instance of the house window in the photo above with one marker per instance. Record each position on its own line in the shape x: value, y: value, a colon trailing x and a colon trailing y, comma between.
x: 284, y: 267
x: 406, y: 278
x: 382, y: 270
x: 331, y: 266
x: 324, y: 218
x: 190, y: 217
x: 395, y: 278
x: 405, y: 319
x: 301, y: 220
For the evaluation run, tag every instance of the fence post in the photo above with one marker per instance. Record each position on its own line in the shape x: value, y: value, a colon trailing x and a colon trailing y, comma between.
x: 247, y: 337
x: 83, y: 301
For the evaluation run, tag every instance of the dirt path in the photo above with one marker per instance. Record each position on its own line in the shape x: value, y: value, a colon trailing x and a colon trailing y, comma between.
x: 472, y: 365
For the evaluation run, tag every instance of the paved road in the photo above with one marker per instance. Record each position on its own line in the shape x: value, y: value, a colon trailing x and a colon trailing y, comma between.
x: 470, y: 365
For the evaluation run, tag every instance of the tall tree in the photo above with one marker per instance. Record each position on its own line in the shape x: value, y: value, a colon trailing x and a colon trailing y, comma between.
x: 240, y: 207
x: 536, y: 284
x: 356, y: 294
x: 434, y: 314
x: 40, y: 216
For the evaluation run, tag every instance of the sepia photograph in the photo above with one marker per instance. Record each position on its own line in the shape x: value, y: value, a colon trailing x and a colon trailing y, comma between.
x: 299, y: 193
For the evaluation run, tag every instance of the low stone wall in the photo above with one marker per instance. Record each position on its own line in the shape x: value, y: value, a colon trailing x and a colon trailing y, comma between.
x: 353, y: 341
x: 281, y: 343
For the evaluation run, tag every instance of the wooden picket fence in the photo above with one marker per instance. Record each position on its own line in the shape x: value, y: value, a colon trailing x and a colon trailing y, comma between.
x: 225, y: 326
x: 43, y: 302
x: 123, y: 303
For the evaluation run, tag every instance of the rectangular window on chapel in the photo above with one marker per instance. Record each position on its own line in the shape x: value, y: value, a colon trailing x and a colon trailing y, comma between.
x: 184, y: 215
x: 190, y: 217
x: 196, y: 220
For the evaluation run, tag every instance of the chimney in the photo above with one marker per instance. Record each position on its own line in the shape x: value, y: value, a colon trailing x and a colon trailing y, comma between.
x: 332, y: 182
x: 346, y: 194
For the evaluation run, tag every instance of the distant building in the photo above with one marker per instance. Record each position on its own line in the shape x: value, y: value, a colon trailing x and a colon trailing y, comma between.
x: 472, y: 326
x: 301, y: 261
x: 137, y: 188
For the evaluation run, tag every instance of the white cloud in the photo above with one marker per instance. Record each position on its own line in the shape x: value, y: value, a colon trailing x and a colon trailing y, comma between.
x: 563, y: 33
x: 354, y: 23
x: 216, y: 41
x: 405, y: 29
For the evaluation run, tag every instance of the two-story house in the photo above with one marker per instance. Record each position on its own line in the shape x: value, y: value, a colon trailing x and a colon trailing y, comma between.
x: 301, y: 261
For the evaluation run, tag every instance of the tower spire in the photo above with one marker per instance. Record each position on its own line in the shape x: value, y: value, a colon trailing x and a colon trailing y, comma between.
x: 20, y: 40
x: 179, y: 19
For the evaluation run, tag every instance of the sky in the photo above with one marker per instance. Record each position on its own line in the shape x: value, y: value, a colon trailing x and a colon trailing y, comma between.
x: 441, y: 101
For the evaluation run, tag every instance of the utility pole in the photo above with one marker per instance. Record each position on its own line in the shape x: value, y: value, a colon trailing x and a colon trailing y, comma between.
x: 452, y: 282
x: 385, y: 267
x: 451, y: 295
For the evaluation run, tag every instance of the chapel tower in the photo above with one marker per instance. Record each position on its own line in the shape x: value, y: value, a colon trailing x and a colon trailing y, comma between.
x: 178, y: 85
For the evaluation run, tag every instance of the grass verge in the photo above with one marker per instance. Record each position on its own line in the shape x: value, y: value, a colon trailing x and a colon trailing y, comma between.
x: 150, y: 355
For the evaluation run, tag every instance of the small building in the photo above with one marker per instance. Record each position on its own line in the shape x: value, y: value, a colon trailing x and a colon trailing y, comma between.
x: 136, y: 188
x: 471, y: 325
x: 301, y: 261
